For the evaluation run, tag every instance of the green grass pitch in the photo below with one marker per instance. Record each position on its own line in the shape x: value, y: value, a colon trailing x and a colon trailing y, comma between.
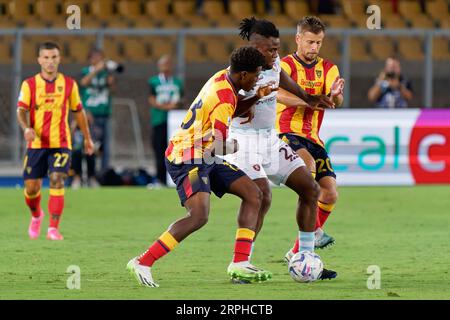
x: 403, y: 230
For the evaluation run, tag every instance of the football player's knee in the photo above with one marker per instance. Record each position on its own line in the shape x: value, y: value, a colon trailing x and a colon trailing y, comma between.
x: 313, y: 192
x: 32, y: 189
x: 56, y: 181
x: 258, y: 196
x: 199, y: 220
x: 266, y: 199
x: 329, y: 196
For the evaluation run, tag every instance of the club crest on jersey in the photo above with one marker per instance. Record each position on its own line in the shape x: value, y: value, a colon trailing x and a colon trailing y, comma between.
x: 205, y: 180
x: 28, y: 170
x: 318, y: 73
x: 60, y: 88
x: 257, y: 167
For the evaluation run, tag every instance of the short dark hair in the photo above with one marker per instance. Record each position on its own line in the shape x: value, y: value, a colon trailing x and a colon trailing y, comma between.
x: 249, y: 26
x: 311, y: 24
x: 246, y: 59
x: 47, y: 46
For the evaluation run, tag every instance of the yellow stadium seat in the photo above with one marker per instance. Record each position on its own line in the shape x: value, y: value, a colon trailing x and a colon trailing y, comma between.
x: 5, y: 52
x: 157, y: 8
x: 196, y: 22
x: 359, y: 21
x: 386, y: 6
x: 193, y: 50
x: 136, y: 50
x: 144, y: 22
x: 161, y: 46
x: 393, y: 22
x: 422, y: 21
x: 330, y: 49
x: 84, y: 5
x: 281, y: 20
x: 410, y: 48
x: 20, y: 9
x: 358, y: 50
x: 112, y: 48
x: 409, y: 8
x: 118, y: 23
x: 438, y: 9
x: 225, y: 22
x: 354, y: 8
x: 183, y: 8
x: 49, y: 10
x: 445, y: 24
x: 234, y: 41
x: 241, y: 8
x: 335, y: 21
x: 382, y: 47
x: 441, y: 48
x: 217, y: 48
x: 296, y: 9
x: 171, y: 22
x: 103, y: 9
x: 262, y: 10
x: 79, y: 48
x: 34, y: 23
x: 213, y: 8
x: 7, y: 23
x: 129, y: 9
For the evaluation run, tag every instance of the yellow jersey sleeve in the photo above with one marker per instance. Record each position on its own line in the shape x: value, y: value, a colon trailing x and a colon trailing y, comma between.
x: 74, y: 100
x: 286, y: 68
x: 24, y: 100
x: 331, y: 76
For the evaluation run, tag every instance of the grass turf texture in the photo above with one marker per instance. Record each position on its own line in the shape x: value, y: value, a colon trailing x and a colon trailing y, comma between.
x: 403, y: 230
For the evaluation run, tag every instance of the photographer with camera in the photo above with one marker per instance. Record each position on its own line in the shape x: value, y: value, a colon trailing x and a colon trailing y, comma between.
x: 97, y: 83
x: 391, y: 89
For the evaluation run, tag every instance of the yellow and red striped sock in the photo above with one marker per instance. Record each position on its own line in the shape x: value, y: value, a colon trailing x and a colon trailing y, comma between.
x: 323, y: 212
x: 55, y: 206
x: 165, y: 243
x: 243, y: 244
x: 34, y: 203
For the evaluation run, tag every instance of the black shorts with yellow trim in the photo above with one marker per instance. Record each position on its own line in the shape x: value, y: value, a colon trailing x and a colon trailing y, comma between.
x: 38, y: 163
x: 193, y: 178
x: 320, y: 155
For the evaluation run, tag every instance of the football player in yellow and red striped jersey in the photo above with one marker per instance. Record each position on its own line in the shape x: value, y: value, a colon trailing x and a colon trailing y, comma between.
x: 42, y: 112
x: 299, y: 127
x: 192, y: 162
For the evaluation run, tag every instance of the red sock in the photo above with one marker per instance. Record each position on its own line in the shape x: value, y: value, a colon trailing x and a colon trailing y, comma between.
x: 55, y: 206
x: 243, y: 244
x: 296, y: 245
x: 323, y: 212
x: 165, y: 243
x: 34, y: 203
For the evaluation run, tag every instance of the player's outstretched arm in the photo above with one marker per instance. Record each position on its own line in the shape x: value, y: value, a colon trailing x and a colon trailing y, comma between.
x: 290, y: 85
x: 81, y: 119
x: 289, y: 99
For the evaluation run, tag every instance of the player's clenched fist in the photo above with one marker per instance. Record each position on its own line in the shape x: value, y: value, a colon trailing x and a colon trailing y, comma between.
x: 266, y: 90
x: 29, y: 134
x: 89, y: 146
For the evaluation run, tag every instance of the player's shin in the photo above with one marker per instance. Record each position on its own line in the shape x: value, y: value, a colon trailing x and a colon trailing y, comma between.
x: 55, y: 206
x: 165, y: 243
x: 34, y: 203
x: 243, y: 244
x: 323, y: 212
